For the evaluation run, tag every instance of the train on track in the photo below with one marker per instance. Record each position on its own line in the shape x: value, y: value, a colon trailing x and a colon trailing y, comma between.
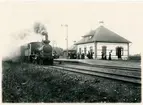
x: 38, y: 52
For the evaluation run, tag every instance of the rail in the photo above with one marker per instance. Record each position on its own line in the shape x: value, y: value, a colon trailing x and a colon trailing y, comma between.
x: 109, y: 75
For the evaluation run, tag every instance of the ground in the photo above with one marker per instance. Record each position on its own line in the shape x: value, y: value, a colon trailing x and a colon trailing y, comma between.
x: 33, y: 83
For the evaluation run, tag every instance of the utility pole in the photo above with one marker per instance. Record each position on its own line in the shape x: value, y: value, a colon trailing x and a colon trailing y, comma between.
x: 66, y: 25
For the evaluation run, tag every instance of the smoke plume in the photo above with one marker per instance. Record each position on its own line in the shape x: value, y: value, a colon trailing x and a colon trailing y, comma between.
x: 13, y: 43
x: 11, y: 47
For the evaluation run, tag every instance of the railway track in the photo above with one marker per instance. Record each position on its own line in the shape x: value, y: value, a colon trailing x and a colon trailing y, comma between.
x: 135, y: 74
x: 115, y: 67
x: 132, y: 76
x: 101, y: 66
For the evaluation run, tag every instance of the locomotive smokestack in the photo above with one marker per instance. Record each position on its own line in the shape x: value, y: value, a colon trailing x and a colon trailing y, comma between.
x: 46, y: 35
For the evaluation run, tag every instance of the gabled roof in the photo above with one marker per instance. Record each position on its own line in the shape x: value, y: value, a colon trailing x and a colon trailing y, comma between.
x: 102, y: 34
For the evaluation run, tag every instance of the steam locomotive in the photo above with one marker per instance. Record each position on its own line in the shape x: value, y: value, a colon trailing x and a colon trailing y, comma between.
x: 38, y: 52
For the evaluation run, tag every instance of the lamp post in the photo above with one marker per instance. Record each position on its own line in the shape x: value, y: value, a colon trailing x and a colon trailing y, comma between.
x: 65, y: 25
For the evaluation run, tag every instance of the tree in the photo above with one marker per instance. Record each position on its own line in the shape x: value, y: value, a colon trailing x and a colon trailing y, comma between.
x: 58, y: 50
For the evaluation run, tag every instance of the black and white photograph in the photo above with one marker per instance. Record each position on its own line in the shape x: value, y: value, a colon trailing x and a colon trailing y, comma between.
x: 71, y: 51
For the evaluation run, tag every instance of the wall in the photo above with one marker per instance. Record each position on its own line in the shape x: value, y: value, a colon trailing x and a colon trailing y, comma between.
x: 88, y: 45
x: 112, y: 46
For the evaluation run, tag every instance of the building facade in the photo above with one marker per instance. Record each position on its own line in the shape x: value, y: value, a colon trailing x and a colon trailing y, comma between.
x: 103, y: 43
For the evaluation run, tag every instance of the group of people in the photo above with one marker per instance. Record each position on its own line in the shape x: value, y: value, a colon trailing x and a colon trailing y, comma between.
x: 73, y: 55
x: 104, y: 55
x: 89, y: 55
x: 82, y: 55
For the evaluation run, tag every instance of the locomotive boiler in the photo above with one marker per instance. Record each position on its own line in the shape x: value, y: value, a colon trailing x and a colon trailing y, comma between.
x: 38, y: 52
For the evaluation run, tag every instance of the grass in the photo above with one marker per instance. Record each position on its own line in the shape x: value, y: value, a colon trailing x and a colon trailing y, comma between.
x: 135, y: 57
x: 32, y: 83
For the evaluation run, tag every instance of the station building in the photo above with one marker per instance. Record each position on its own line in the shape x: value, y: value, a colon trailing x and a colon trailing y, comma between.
x: 103, y: 41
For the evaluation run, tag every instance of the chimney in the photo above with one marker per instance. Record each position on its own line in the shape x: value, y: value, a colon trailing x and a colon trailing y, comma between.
x: 46, y: 35
x: 74, y: 42
x: 101, y: 23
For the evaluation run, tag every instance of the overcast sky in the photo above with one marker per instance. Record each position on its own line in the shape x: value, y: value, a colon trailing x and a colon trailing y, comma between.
x: 125, y: 19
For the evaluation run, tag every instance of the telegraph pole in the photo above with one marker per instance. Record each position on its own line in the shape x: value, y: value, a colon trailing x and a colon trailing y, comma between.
x: 66, y: 25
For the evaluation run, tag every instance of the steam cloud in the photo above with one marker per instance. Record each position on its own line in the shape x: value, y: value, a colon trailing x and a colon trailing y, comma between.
x: 12, y: 44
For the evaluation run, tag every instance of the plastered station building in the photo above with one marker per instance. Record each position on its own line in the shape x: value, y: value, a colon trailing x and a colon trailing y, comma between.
x: 102, y: 41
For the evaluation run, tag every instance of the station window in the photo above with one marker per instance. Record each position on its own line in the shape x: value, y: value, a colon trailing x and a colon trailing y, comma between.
x: 104, y: 49
x: 91, y: 49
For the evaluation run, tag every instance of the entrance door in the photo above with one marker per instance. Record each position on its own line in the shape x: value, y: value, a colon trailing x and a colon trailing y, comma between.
x: 119, y: 52
x: 104, y: 51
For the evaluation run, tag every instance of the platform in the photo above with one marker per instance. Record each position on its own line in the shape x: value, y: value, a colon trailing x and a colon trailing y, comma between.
x: 130, y: 64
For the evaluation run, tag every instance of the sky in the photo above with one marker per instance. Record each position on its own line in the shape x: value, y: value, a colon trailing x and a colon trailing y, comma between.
x: 125, y: 19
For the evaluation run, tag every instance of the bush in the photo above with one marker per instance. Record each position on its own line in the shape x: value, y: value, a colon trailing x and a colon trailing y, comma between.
x: 135, y: 57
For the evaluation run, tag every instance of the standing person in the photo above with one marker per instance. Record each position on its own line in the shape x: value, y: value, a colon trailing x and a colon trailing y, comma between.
x: 82, y: 55
x: 110, y: 55
x: 102, y: 55
x: 88, y: 55
x: 68, y: 55
x: 91, y: 55
x: 78, y: 56
x: 105, y: 57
